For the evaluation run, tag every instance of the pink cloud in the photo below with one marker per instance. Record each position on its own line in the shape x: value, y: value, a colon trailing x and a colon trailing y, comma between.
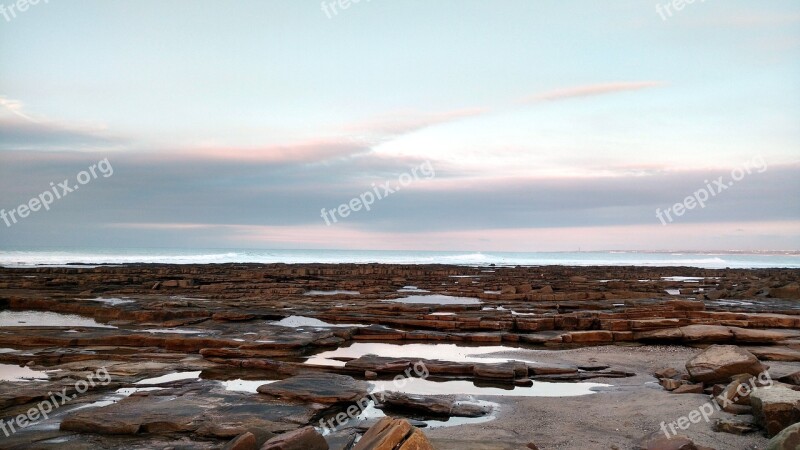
x: 591, y: 90
x: 403, y: 122
x: 677, y: 236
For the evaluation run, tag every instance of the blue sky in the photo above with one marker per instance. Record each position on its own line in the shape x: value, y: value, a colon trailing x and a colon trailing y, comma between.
x: 551, y: 125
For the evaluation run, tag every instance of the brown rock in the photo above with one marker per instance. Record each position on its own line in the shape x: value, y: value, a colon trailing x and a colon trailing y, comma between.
x: 306, y: 438
x: 509, y: 370
x: 245, y: 441
x: 733, y: 426
x: 390, y: 434
x: 670, y: 384
x: 667, y: 372
x: 446, y: 405
x: 790, y: 291
x: 317, y: 388
x: 591, y: 337
x: 788, y: 439
x: 706, y: 333
x: 686, y: 305
x: 775, y: 353
x: 792, y: 378
x: 718, y: 363
x: 659, y: 441
x: 523, y: 288
x: 689, y: 389
x: 775, y: 408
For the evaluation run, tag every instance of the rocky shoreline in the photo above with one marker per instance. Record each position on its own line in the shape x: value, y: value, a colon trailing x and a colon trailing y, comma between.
x: 209, y: 327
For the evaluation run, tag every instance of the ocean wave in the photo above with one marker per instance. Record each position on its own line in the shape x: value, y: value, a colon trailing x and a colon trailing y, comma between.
x: 200, y: 256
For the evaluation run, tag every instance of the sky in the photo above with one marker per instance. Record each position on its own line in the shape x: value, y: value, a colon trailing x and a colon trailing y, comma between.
x: 513, y: 125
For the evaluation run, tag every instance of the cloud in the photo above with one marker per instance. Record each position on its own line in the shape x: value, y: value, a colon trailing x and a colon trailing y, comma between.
x: 591, y: 90
x: 15, y: 107
x: 680, y: 236
x: 21, y: 135
x: 395, y: 124
x: 310, y: 151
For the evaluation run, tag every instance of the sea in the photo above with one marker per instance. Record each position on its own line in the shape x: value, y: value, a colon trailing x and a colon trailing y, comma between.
x: 93, y: 257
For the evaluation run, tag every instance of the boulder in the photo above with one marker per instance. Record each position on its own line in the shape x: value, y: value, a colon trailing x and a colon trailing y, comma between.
x: 393, y: 434
x: 775, y: 408
x: 245, y: 441
x: 306, y: 438
x: 788, y: 439
x: 718, y: 363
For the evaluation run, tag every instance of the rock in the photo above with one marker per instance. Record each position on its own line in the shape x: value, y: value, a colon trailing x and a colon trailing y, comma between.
x: 686, y: 305
x: 667, y: 372
x: 715, y: 294
x: 306, y: 438
x: 788, y: 439
x: 789, y: 291
x: 446, y: 405
x: 792, y: 378
x: 689, y: 389
x: 591, y: 337
x: 775, y: 353
x: 718, y: 363
x: 509, y: 370
x: 391, y: 434
x: 578, y: 279
x: 733, y: 426
x: 659, y: 441
x: 318, y: 388
x: 245, y: 441
x: 738, y: 410
x: 523, y: 288
x: 670, y: 384
x: 775, y: 408
x: 751, y: 336
x: 198, y: 408
x: 706, y: 333
x: 370, y: 375
x: 738, y: 392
